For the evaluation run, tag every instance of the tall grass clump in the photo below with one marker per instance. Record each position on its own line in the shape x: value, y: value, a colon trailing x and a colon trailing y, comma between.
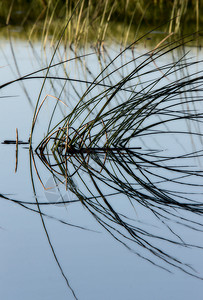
x: 134, y: 133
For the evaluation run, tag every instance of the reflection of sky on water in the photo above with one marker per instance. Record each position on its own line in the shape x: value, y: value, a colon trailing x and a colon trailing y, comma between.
x: 97, y: 266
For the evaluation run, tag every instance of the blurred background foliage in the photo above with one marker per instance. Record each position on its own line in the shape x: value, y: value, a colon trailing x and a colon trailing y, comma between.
x: 96, y: 20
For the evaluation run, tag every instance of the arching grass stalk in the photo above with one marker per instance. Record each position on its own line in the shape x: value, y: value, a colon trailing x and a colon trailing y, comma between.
x: 133, y: 140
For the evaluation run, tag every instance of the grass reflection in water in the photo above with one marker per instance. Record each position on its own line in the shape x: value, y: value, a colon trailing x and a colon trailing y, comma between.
x: 139, y: 137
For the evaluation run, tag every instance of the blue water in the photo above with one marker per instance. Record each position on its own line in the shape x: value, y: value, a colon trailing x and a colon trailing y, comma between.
x: 97, y: 266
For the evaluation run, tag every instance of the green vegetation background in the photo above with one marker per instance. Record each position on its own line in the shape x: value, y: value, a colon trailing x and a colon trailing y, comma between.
x: 96, y: 20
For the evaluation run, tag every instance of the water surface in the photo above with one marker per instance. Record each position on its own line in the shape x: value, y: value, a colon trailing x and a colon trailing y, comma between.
x: 96, y: 265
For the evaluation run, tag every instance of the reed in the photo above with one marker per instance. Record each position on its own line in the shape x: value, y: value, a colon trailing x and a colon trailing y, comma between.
x: 114, y: 140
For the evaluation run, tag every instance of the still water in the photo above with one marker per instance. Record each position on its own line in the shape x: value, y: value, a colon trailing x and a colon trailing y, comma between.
x: 96, y: 265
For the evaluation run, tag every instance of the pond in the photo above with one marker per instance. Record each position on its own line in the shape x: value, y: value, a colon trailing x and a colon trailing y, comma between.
x: 55, y: 244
